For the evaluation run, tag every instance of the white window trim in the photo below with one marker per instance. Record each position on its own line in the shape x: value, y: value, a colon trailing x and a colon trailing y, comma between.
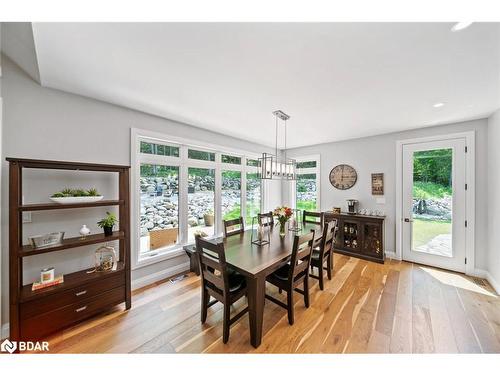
x: 183, y: 162
x: 293, y: 186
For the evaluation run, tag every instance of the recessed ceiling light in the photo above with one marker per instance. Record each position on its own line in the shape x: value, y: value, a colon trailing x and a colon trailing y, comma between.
x: 460, y: 26
x: 438, y: 105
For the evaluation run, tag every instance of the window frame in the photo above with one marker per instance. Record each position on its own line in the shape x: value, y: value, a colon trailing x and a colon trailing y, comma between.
x: 316, y: 170
x: 183, y: 163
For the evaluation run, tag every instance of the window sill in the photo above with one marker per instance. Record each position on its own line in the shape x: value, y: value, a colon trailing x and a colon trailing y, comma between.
x: 160, y: 255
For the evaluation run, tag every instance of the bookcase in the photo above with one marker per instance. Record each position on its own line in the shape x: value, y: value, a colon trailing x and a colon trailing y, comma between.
x: 36, y: 314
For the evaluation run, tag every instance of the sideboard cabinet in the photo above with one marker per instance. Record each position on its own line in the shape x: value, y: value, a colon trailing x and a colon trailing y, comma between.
x: 360, y: 236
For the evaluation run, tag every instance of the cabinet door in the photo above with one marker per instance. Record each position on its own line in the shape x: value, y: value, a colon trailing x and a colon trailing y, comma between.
x: 372, y: 239
x: 351, y: 231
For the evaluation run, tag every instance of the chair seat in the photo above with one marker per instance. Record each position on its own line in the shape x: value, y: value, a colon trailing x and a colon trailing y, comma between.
x: 236, y: 281
x: 282, y: 273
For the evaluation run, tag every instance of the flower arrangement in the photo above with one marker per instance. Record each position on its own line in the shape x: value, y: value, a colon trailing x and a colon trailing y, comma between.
x: 283, y: 214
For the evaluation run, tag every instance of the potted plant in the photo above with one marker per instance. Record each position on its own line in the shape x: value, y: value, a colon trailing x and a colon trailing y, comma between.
x: 71, y: 196
x: 209, y: 218
x: 108, y: 223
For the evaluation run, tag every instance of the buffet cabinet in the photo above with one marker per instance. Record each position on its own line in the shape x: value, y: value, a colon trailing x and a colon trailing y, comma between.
x: 361, y: 236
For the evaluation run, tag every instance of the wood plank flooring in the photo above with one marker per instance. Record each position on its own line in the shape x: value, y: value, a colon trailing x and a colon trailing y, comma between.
x: 397, y: 307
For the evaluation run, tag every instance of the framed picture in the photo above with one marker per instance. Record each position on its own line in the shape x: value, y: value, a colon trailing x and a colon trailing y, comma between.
x: 377, y: 184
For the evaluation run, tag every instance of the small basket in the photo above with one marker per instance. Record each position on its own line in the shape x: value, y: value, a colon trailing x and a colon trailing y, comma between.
x: 46, y: 240
x: 163, y: 237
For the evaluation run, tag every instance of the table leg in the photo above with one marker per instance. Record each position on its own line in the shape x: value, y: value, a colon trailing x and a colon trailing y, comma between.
x: 256, y: 302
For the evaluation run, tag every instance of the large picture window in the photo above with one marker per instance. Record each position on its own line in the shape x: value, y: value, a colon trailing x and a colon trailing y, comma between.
x: 182, y: 189
x: 307, y: 184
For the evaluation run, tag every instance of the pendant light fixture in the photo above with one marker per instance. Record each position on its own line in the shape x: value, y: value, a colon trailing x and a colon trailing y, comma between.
x: 275, y: 167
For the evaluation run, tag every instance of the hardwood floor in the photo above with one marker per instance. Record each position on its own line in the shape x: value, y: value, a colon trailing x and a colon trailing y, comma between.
x: 397, y: 307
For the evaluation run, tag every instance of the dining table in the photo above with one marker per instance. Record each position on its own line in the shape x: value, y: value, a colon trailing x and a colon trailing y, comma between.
x: 256, y: 262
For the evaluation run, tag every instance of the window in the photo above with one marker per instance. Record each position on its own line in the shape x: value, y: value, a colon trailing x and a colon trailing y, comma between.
x: 253, y: 200
x: 158, y: 149
x: 201, y: 155
x: 180, y: 190
x: 159, y: 207
x: 231, y: 195
x: 307, y: 184
x: 230, y: 159
x: 201, y: 200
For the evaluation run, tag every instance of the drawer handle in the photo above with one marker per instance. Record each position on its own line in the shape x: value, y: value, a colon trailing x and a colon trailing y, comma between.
x: 81, y: 309
x: 81, y: 293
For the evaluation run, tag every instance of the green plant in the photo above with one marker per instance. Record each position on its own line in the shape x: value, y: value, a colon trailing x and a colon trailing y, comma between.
x: 108, y: 222
x: 67, y: 192
x: 92, y: 192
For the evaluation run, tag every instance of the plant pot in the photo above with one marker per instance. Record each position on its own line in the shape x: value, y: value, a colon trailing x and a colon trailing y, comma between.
x: 108, y: 231
x: 209, y: 220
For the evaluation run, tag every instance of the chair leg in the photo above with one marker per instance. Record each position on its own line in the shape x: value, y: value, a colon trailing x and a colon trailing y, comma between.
x: 225, y: 323
x: 306, y: 290
x: 330, y: 266
x: 320, y: 275
x: 290, y: 306
x: 280, y: 290
x: 204, y: 304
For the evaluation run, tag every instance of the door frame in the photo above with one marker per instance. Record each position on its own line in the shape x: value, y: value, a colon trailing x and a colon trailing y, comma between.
x: 470, y: 194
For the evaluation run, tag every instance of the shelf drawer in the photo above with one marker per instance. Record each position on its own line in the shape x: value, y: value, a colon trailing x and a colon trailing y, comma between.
x: 41, y: 325
x: 55, y: 301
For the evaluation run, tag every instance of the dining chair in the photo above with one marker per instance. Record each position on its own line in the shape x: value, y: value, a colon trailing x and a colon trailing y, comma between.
x: 289, y: 276
x: 266, y: 219
x: 311, y: 217
x: 219, y: 282
x: 228, y: 224
x: 323, y: 252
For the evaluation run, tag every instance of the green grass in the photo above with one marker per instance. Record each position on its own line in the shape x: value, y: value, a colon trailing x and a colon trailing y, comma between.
x: 252, y: 211
x: 427, y: 190
x: 425, y: 230
x: 306, y: 205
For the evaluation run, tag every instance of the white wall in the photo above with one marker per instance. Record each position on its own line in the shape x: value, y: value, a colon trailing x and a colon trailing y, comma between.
x: 494, y: 199
x: 378, y: 154
x: 44, y: 123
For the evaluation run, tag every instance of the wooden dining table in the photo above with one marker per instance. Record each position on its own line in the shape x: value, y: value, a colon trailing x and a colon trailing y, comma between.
x: 256, y: 263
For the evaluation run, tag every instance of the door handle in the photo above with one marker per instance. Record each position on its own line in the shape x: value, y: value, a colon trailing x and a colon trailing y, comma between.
x: 408, y: 220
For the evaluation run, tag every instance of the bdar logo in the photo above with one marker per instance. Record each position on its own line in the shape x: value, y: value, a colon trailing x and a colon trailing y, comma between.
x: 8, y: 346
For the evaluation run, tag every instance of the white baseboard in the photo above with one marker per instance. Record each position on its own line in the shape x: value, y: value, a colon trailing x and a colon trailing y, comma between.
x: 4, y: 332
x: 392, y: 255
x: 494, y: 283
x: 160, y: 275
x: 478, y: 272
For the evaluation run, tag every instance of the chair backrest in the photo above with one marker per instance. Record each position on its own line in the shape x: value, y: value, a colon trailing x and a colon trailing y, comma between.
x: 229, y: 224
x: 266, y: 219
x: 213, y: 269
x: 301, y: 255
x: 306, y: 215
x: 326, y: 242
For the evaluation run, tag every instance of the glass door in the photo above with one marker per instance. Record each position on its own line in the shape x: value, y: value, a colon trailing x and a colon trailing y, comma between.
x: 434, y: 203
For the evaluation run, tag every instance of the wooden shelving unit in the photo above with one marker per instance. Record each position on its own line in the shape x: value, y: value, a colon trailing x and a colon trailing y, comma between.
x: 34, y: 314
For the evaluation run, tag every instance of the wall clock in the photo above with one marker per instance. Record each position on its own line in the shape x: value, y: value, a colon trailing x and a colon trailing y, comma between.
x: 343, y: 177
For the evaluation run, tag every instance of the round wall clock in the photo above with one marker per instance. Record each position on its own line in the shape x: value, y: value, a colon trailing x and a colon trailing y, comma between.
x: 343, y: 177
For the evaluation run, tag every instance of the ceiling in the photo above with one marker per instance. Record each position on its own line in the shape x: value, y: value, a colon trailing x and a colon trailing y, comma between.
x: 336, y: 80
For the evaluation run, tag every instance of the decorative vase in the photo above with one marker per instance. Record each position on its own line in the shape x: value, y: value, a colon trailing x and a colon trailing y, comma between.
x: 84, y: 231
x: 282, y: 228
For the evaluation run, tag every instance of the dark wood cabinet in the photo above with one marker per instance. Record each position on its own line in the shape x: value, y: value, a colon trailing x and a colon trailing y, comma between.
x: 361, y: 236
x: 35, y: 314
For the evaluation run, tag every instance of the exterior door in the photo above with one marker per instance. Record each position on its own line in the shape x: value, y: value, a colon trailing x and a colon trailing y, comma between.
x: 434, y: 203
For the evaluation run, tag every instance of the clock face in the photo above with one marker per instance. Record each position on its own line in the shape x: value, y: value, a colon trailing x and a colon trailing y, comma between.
x: 343, y: 177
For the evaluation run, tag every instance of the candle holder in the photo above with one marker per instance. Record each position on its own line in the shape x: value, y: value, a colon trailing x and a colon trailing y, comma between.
x: 294, y: 224
x: 259, y: 232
